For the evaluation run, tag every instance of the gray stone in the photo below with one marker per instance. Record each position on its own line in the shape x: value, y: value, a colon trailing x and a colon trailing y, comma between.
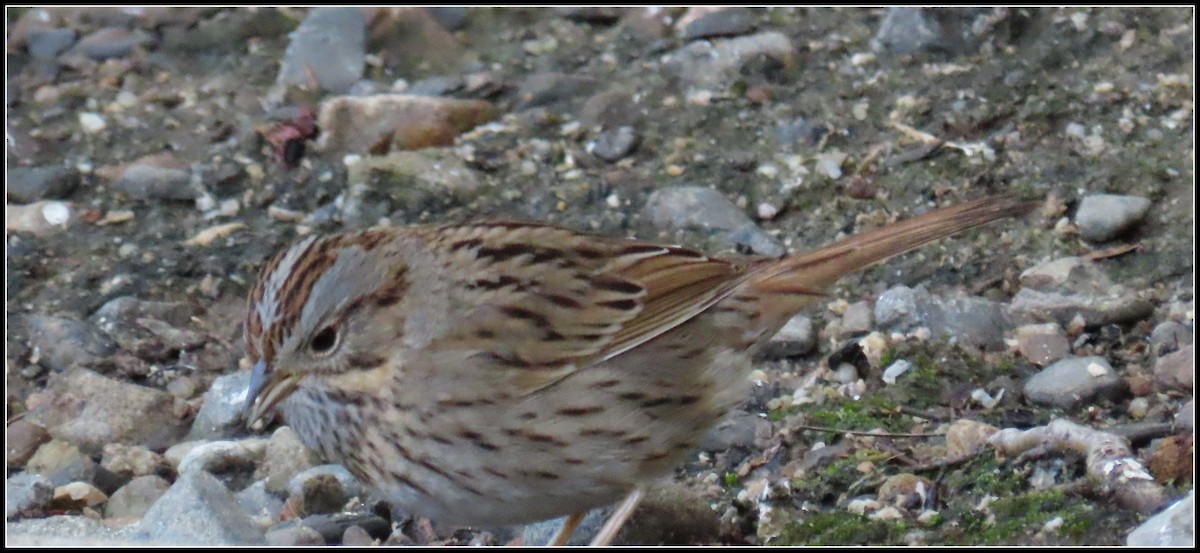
x: 736, y: 429
x: 91, y: 411
x: 722, y: 22
x: 905, y: 30
x: 136, y: 497
x: 544, y: 89
x: 109, y: 42
x: 176, y: 313
x: 969, y: 321
x: 260, y: 503
x: 332, y: 527
x: 1170, y: 336
x: 1104, y: 216
x: 62, y: 344
x: 220, y: 415
x: 26, y: 495
x: 159, y: 177
x: 614, y: 144
x: 285, y: 458
x: 714, y: 65
x: 692, y: 207
x: 1068, y: 275
x: 320, y: 493
x: 452, y: 18
x: 30, y: 184
x: 751, y: 238
x: 198, y: 510
x: 1118, y: 305
x: 1073, y: 382
x: 328, y: 47
x: 69, y: 531
x: 1173, y: 527
x: 794, y: 339
x: 48, y: 43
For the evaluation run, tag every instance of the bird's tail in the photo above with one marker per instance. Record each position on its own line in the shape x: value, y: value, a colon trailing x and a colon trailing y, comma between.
x: 810, y: 273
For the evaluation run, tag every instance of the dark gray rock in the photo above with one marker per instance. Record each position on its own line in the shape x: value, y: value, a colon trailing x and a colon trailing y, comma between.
x: 736, y: 429
x: 452, y: 18
x: 198, y: 510
x: 30, y: 184
x: 1073, y: 382
x: 970, y: 321
x: 109, y: 42
x: 723, y: 22
x: 63, y: 344
x: 614, y: 144
x: 332, y: 527
x: 48, y: 43
x: 794, y: 339
x: 1104, y: 216
x: 329, y: 46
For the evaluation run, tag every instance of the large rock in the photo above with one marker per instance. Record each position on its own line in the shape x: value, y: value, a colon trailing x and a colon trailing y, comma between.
x: 198, y: 510
x: 90, y: 411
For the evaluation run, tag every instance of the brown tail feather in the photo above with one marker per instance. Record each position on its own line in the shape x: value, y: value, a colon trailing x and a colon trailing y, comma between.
x: 810, y: 273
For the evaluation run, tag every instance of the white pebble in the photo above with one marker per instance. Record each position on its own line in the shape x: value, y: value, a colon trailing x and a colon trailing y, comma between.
x: 91, y: 122
x: 896, y: 369
x: 767, y: 211
x: 56, y: 213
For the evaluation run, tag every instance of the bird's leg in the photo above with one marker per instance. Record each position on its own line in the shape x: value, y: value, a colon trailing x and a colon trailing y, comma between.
x: 564, y: 532
x: 618, y: 518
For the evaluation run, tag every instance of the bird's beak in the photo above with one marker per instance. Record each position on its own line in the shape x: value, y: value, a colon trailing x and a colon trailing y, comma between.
x: 266, y: 390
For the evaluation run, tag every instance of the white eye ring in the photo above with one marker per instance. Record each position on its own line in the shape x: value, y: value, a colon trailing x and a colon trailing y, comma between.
x: 325, y: 341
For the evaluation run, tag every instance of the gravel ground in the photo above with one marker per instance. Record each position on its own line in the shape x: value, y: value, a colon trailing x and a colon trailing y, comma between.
x: 156, y: 156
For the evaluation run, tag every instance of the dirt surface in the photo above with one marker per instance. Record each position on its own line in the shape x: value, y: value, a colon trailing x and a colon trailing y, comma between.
x: 840, y: 135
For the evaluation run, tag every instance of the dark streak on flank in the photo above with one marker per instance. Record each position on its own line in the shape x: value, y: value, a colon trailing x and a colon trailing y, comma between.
x: 655, y: 402
x: 621, y: 305
x: 604, y: 384
x: 538, y: 320
x: 408, y: 482
x: 619, y: 286
x: 580, y: 411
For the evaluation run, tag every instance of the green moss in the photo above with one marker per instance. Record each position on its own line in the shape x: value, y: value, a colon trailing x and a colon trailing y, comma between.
x: 841, y: 529
x: 731, y: 479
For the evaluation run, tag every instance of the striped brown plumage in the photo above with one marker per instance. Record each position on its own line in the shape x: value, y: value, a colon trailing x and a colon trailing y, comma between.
x: 503, y: 372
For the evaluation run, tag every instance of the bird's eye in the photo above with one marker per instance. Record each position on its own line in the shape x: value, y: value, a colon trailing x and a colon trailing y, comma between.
x: 325, y: 340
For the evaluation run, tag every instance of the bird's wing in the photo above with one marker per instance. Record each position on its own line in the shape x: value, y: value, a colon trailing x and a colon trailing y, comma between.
x: 541, y: 302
